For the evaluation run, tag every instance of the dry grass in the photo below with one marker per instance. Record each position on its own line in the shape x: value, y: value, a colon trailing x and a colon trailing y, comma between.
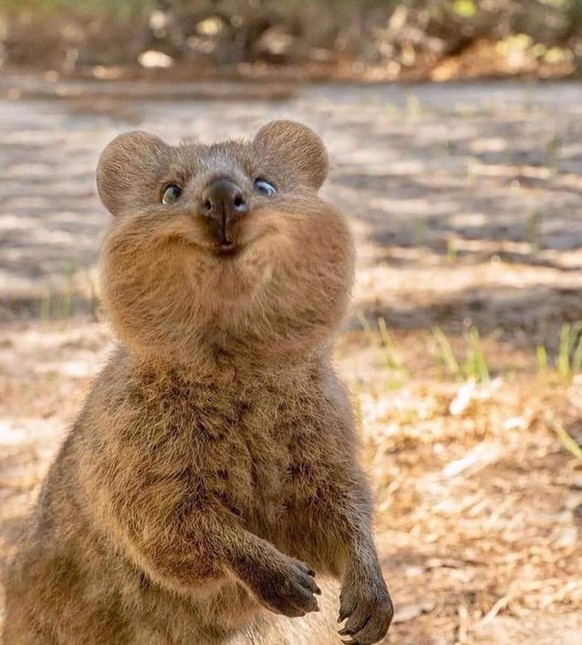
x: 479, y: 499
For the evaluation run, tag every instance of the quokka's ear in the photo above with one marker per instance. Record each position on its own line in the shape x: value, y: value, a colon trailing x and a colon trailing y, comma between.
x: 296, y: 145
x: 129, y: 168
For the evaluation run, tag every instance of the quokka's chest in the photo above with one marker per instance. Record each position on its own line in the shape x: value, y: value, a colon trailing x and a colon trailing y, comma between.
x: 257, y: 458
x: 258, y: 451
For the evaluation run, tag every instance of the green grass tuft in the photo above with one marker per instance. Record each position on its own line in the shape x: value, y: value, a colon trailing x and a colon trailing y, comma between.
x: 475, y: 366
x: 379, y: 338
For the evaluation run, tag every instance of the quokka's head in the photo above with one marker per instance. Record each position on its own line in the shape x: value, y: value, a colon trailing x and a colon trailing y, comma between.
x: 224, y: 246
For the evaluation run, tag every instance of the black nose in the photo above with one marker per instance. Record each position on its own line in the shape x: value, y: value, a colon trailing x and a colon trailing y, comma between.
x: 223, y: 201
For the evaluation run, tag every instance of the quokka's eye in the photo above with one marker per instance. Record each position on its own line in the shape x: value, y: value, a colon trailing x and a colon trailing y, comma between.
x: 171, y: 194
x: 265, y: 187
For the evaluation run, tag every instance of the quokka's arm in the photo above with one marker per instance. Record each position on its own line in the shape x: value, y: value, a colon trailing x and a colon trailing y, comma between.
x: 345, y: 510
x: 187, y: 548
x: 365, y: 599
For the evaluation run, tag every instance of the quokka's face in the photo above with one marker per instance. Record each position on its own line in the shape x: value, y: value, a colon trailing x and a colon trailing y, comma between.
x: 227, y: 243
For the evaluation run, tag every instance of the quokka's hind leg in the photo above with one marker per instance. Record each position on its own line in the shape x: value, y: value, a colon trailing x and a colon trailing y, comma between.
x: 316, y: 628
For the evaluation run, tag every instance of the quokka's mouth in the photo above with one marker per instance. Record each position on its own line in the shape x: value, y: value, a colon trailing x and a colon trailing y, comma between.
x: 226, y: 248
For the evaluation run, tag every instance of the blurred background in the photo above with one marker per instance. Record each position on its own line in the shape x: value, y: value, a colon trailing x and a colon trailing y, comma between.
x: 308, y: 39
x: 455, y: 134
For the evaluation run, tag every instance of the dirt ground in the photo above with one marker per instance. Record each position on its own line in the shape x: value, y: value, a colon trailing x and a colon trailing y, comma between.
x: 466, y: 203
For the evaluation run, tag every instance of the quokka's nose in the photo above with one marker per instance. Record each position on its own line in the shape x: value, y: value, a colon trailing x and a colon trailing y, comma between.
x: 222, y: 201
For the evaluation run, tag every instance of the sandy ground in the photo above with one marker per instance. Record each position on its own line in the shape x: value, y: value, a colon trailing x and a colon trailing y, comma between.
x: 466, y: 203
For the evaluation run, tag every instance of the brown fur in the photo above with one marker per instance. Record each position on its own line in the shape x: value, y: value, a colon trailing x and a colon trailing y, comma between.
x: 216, y: 451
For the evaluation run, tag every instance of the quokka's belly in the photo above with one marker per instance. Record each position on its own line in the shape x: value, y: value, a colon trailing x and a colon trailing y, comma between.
x: 210, y: 615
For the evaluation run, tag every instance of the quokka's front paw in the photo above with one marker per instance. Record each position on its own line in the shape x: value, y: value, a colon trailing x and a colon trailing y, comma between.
x: 285, y: 586
x: 366, y: 603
